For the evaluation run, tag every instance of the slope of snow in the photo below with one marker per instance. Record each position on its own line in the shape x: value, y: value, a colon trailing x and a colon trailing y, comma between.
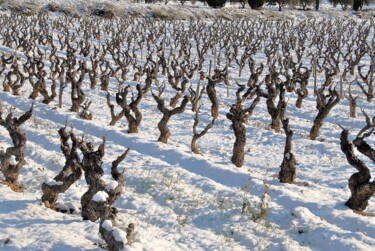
x: 182, y: 201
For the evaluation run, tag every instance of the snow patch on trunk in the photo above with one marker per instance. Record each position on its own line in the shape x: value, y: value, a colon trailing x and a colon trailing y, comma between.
x: 100, y: 196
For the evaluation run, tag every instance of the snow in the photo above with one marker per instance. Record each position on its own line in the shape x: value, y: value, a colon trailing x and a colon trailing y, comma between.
x: 100, y: 196
x: 52, y: 182
x: 13, y: 160
x: 119, y: 235
x: 287, y: 156
x: 111, y: 185
x: 182, y: 201
x: 107, y: 225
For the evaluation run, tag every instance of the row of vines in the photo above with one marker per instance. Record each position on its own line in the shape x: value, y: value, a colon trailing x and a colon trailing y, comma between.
x: 59, y: 59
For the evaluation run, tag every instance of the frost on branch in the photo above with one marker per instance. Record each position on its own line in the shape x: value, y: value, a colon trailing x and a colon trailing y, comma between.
x: 13, y: 158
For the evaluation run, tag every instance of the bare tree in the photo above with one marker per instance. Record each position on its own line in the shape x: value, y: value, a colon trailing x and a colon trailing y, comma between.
x: 196, y: 135
x: 108, y: 212
x: 77, y: 94
x: 167, y: 114
x: 195, y: 97
x: 352, y: 102
x: 121, y: 99
x: 238, y: 115
x: 13, y: 85
x: 273, y: 89
x: 13, y: 158
x: 368, y: 81
x: 85, y: 113
x: 324, y: 106
x: 93, y: 209
x: 287, y: 173
x: 211, y: 92
x: 359, y: 183
x: 71, y: 172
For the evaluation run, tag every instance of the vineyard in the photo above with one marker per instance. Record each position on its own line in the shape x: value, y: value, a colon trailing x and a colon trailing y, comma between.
x: 139, y: 133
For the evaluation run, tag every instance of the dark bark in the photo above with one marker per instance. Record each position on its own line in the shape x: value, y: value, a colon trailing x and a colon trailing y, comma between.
x: 92, y: 166
x: 324, y: 107
x: 167, y: 114
x: 71, y: 172
x: 211, y: 92
x: 14, y: 85
x: 77, y: 94
x: 357, y: 5
x: 287, y: 173
x: 359, y: 183
x: 127, y: 108
x: 43, y: 91
x: 239, y: 145
x: 367, y: 82
x: 352, y: 103
x: 237, y: 115
x: 273, y: 109
x: 195, y: 97
x: 360, y: 142
x: 114, y: 118
x: 108, y: 212
x: 104, y: 82
x: 302, y: 93
x: 196, y: 135
x: 93, y: 73
x: 10, y: 169
x: 134, y: 121
x: 85, y: 113
x: 179, y: 94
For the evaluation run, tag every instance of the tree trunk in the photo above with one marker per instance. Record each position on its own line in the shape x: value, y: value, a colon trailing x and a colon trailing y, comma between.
x: 275, y: 118
x: 163, y: 128
x: 175, y: 99
x: 359, y: 183
x: 71, y: 172
x: 133, y: 126
x: 52, y: 191
x: 324, y: 108
x: 35, y: 92
x: 211, y: 92
x: 93, y: 80
x: 194, y: 145
x: 61, y: 91
x: 314, y: 132
x: 239, y: 145
x: 287, y: 173
x: 104, y: 79
x: 13, y: 159
x: 352, y: 108
x: 357, y: 5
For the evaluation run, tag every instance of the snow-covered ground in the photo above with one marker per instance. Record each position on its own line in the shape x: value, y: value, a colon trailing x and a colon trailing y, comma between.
x: 182, y: 201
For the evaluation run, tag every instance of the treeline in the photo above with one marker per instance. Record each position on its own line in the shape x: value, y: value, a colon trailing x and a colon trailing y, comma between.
x: 258, y: 4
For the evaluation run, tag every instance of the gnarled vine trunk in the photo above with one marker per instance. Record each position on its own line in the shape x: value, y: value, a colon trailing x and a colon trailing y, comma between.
x: 359, y: 183
x: 13, y: 158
